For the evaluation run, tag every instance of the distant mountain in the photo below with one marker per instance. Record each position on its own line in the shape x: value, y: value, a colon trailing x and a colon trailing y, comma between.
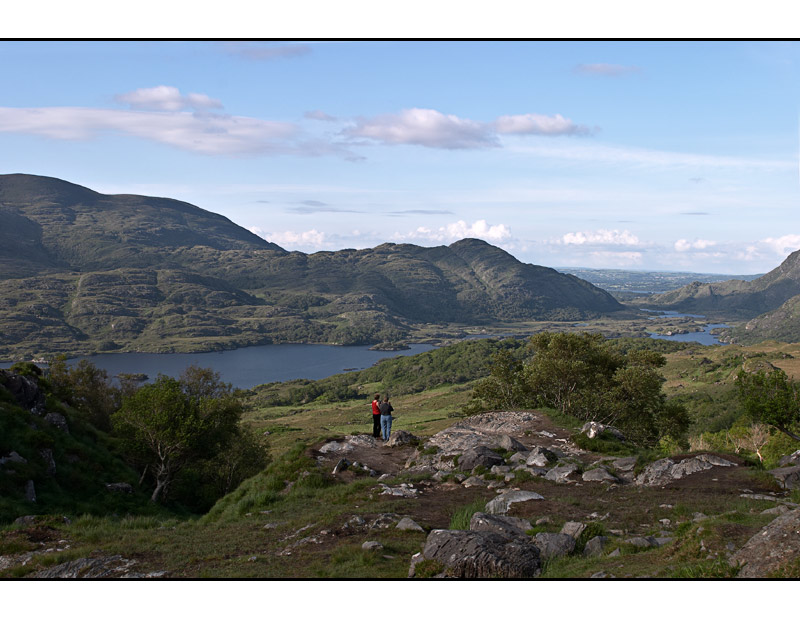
x: 51, y: 225
x: 781, y: 324
x: 735, y: 299
x: 82, y: 271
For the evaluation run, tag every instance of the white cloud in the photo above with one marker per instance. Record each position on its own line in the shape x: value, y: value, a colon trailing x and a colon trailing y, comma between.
x: 600, y: 237
x: 290, y: 240
x: 166, y: 99
x: 431, y: 128
x: 784, y: 245
x: 538, y: 124
x: 616, y: 259
x: 682, y: 245
x: 210, y: 134
x: 603, y: 68
x: 424, y: 128
x: 479, y: 229
x: 319, y: 115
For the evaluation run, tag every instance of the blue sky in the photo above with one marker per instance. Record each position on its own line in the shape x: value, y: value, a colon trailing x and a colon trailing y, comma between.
x: 675, y: 156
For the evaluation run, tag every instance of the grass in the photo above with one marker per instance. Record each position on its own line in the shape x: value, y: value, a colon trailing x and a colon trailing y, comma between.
x: 462, y: 516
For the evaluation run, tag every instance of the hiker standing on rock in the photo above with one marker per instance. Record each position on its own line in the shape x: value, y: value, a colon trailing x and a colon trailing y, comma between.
x: 376, y: 416
x: 386, y: 417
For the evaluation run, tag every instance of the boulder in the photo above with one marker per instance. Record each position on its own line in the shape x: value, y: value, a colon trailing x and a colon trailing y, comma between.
x: 554, y: 545
x: 119, y: 487
x: 372, y: 545
x: 13, y: 457
x: 474, y: 481
x: 401, y: 438
x: 502, y: 503
x: 25, y: 390
x: 666, y: 470
x: 594, y: 546
x: 626, y: 464
x: 562, y: 473
x: 776, y: 546
x: 57, y: 420
x: 573, y: 528
x: 340, y: 466
x: 508, y: 443
x: 481, y: 455
x: 30, y: 491
x: 482, y: 555
x: 643, y: 542
x: 510, y: 527
x: 483, y: 429
x: 593, y: 429
x: 384, y: 521
x: 540, y: 457
x: 518, y: 457
x: 790, y: 459
x: 408, y: 524
x: 787, y: 477
x: 599, y: 474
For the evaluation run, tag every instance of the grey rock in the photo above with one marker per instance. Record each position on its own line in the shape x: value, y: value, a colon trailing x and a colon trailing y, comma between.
x: 474, y: 481
x: 26, y: 520
x: 502, y: 503
x: 25, y: 390
x: 593, y: 429
x: 518, y: 457
x: 13, y: 457
x: 664, y: 471
x: 92, y: 568
x: 500, y: 469
x: 335, y: 447
x: 57, y: 420
x: 510, y: 527
x: 415, y: 559
x: 599, y: 474
x: 776, y: 546
x: 508, y: 443
x: 481, y: 455
x: 119, y: 487
x: 626, y: 464
x: 482, y: 554
x: 777, y: 510
x: 383, y: 477
x: 401, y: 438
x: 408, y: 524
x: 540, y: 457
x: 787, y: 477
x: 554, y: 545
x: 49, y: 461
x: 615, y: 554
x: 594, y: 546
x: 372, y: 545
x: 403, y: 490
x: 30, y: 491
x: 562, y: 473
x: 384, y: 521
x: 643, y: 541
x: 341, y: 465
x: 790, y: 459
x: 573, y: 528
x: 496, y: 484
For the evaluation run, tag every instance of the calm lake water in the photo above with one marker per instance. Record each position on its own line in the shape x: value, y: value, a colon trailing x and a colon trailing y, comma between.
x: 251, y: 366
x: 703, y: 337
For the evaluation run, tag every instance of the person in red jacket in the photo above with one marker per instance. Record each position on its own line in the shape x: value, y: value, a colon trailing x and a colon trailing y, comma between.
x: 376, y: 416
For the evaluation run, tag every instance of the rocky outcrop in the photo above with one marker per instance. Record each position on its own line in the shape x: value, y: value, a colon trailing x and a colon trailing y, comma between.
x: 485, y: 429
x: 401, y: 438
x: 105, y: 567
x: 665, y: 471
x: 511, y: 527
x: 776, y: 546
x: 482, y: 554
x: 553, y: 545
x: 502, y: 503
x: 479, y: 456
x: 599, y: 474
x: 562, y: 473
x: 25, y: 390
x: 787, y: 477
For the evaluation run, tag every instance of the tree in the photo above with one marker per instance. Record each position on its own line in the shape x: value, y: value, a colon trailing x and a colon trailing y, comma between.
x: 503, y: 388
x: 169, y: 424
x: 771, y: 398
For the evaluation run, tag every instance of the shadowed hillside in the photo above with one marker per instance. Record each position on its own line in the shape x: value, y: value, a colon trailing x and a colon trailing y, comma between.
x: 82, y: 272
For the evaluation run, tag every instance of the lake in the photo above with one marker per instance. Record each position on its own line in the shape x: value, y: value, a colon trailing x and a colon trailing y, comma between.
x: 251, y: 366
x: 701, y: 337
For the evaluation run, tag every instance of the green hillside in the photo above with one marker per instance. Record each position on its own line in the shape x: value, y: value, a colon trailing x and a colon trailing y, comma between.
x: 82, y: 271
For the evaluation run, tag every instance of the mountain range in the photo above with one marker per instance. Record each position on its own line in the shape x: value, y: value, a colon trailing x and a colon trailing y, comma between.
x: 82, y: 271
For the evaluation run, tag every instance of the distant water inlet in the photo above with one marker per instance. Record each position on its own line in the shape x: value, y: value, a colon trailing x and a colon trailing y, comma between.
x: 701, y: 337
x: 251, y: 366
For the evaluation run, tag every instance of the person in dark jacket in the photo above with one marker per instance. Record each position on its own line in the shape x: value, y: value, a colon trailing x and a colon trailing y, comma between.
x: 386, y: 417
x: 376, y: 416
